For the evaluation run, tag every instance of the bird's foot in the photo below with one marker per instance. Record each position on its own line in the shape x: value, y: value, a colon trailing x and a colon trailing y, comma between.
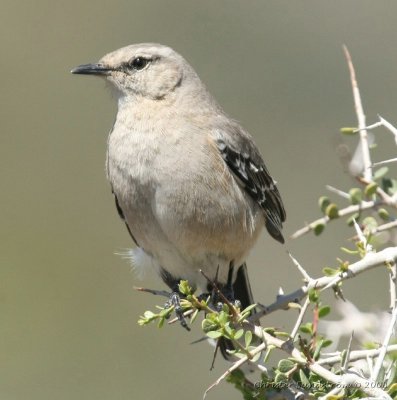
x: 175, y: 300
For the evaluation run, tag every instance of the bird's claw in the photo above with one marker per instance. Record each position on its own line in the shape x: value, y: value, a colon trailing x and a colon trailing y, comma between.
x: 175, y: 300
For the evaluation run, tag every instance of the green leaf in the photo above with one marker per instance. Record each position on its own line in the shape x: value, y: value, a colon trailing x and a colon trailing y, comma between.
x: 328, y: 271
x: 307, y: 328
x: 248, y: 338
x: 343, y: 265
x: 317, y: 350
x: 280, y: 378
x: 356, y: 195
x: 249, y: 308
x: 238, y: 334
x: 384, y: 214
x: 349, y: 251
x: 285, y: 365
x: 210, y: 323
x: 149, y: 314
x: 381, y: 172
x: 229, y: 332
x: 256, y: 357
x: 323, y: 311
x: 142, y: 321
x: 332, y: 211
x: 326, y: 343
x: 184, y: 288
x: 323, y: 203
x: 313, y: 295
x: 267, y: 354
x: 223, y: 318
x: 304, y: 380
x: 282, y: 334
x: 214, y: 334
x: 370, y: 189
x: 318, y: 228
x: 370, y: 223
x: 392, y: 388
x: 348, y: 131
x: 389, y: 185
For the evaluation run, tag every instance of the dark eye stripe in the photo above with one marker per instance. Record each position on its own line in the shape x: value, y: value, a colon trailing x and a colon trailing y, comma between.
x: 138, y: 63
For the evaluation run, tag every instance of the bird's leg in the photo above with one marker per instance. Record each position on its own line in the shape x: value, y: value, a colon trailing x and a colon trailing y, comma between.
x: 227, y: 290
x: 215, y: 297
x: 175, y: 300
x: 223, y: 293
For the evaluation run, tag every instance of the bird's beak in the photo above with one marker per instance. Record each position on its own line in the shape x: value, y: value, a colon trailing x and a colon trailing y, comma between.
x: 91, y: 69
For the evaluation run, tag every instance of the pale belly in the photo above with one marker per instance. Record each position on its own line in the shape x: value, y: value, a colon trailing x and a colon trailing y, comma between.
x: 200, y: 221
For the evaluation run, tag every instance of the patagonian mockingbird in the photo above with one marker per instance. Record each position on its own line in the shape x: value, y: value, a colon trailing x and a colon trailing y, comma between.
x: 188, y: 181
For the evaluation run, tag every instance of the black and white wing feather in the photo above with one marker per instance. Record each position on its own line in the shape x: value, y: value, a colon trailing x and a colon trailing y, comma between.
x: 244, y: 160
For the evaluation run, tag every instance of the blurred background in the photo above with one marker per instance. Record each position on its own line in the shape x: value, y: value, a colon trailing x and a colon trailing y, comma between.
x: 67, y: 305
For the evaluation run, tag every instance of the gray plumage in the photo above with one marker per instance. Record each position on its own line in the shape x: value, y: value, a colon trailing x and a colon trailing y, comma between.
x: 189, y: 182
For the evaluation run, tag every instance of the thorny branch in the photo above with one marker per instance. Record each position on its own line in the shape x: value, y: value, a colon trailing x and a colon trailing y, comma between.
x: 386, y: 257
x: 360, y: 118
x: 371, y: 260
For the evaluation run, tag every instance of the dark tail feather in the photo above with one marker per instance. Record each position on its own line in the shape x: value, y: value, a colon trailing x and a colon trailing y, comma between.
x: 242, y: 292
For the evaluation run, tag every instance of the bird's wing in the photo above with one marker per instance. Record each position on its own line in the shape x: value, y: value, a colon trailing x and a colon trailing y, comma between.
x: 243, y: 158
x: 121, y: 215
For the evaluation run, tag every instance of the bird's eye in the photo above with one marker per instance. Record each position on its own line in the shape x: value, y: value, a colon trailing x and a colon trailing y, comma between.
x: 139, y: 63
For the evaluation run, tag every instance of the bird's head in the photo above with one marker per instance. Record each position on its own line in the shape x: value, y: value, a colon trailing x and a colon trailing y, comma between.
x: 142, y: 70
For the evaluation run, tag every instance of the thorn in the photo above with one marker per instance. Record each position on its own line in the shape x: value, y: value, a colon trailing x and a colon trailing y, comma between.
x: 306, y: 276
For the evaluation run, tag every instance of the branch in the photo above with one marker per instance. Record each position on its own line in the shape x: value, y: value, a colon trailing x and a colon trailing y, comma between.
x: 384, y: 227
x: 371, y: 260
x: 360, y: 118
x: 364, y: 205
x: 236, y: 365
x: 392, y: 285
x: 348, y: 379
x: 385, y: 199
x: 300, y: 318
x: 356, y: 355
x: 384, y: 123
x: 386, y: 340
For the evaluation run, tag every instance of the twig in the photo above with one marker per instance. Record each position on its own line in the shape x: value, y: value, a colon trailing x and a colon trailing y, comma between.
x: 389, y: 126
x: 338, y: 192
x: 392, y: 285
x: 367, y: 246
x: 379, y: 191
x: 364, y: 205
x: 356, y: 355
x: 384, y: 123
x: 236, y: 365
x: 306, y: 276
x: 332, y: 394
x: 385, y: 199
x: 389, y: 161
x: 360, y: 117
x: 300, y: 318
x: 348, y: 351
x: 382, y: 354
x: 185, y: 314
x: 232, y: 309
x: 384, y: 227
x: 163, y: 293
x: 361, y: 236
x: 349, y: 379
x: 371, y: 260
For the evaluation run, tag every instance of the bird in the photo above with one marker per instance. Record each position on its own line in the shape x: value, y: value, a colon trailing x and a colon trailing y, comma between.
x: 188, y: 181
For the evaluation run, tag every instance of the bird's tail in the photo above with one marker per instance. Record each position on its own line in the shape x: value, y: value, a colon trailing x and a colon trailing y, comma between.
x: 243, y: 293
